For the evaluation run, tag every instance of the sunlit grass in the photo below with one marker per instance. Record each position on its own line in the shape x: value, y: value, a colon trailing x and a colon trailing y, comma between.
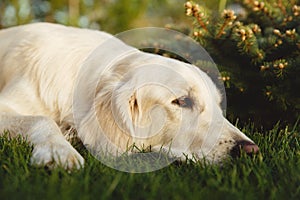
x: 274, y: 173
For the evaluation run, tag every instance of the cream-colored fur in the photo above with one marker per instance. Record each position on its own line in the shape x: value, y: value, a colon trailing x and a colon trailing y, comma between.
x: 138, y: 98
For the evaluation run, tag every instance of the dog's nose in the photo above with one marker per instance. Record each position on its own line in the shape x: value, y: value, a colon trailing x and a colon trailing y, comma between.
x: 246, y: 146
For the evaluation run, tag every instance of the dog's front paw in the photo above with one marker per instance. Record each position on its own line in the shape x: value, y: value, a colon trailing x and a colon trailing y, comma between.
x: 56, y: 154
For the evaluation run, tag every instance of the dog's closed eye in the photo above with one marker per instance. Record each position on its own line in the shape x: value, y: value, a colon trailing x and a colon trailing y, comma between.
x: 184, y: 102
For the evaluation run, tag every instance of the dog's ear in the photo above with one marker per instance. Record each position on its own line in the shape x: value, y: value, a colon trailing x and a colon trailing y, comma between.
x: 134, y: 108
x: 125, y: 107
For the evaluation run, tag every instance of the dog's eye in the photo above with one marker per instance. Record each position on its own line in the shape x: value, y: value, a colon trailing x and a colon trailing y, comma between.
x: 184, y: 101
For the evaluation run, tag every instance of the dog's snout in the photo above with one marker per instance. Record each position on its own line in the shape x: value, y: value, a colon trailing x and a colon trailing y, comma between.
x: 246, y: 146
x: 250, y: 148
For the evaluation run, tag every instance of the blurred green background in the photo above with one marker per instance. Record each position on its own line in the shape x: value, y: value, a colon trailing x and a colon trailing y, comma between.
x: 109, y: 15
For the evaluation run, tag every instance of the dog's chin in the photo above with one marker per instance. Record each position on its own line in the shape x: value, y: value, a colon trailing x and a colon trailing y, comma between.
x: 185, y: 156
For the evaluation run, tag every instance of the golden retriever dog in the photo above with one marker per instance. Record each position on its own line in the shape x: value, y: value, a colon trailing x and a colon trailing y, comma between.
x: 54, y: 79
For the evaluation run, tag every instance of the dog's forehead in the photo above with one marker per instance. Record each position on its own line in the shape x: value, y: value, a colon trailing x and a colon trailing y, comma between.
x: 198, y: 82
x: 177, y: 76
x: 194, y: 78
x: 188, y: 80
x: 149, y: 69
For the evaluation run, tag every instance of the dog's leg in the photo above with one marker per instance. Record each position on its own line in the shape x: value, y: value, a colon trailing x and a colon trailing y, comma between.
x: 50, y: 148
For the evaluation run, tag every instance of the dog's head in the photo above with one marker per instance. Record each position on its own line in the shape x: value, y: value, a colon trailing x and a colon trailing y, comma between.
x: 159, y: 103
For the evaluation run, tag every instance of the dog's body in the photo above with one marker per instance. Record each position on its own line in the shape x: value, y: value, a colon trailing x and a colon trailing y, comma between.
x: 39, y: 69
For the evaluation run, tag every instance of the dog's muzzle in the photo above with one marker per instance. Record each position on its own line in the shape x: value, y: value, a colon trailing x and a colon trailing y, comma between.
x: 244, y: 146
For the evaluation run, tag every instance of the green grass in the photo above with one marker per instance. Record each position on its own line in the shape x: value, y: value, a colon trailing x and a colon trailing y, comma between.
x: 272, y: 174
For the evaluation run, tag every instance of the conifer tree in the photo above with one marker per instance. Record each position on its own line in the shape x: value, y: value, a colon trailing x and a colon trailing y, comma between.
x: 256, y: 45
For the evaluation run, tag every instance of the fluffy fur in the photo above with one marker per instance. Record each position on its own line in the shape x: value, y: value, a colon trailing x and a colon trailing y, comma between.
x: 141, y: 99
